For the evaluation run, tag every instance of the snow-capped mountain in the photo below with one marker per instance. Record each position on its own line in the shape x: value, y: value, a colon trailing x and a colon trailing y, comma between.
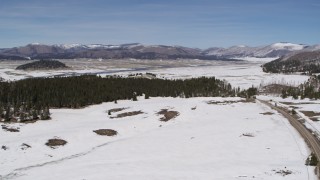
x: 140, y: 51
x: 94, y: 46
x: 287, y: 46
x: 273, y: 50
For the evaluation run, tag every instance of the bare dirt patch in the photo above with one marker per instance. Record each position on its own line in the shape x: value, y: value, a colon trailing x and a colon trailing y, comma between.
x: 293, y: 103
x: 248, y: 135
x: 168, y: 115
x: 10, y: 129
x: 106, y: 132
x: 25, y: 146
x: 274, y: 88
x: 315, y: 119
x: 310, y: 113
x: 116, y: 110
x: 231, y: 102
x: 267, y: 113
x: 55, y: 142
x: 283, y: 172
x: 4, y: 147
x: 132, y: 113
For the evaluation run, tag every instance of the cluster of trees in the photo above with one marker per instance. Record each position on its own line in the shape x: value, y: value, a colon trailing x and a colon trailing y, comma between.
x: 290, y: 66
x: 32, y: 98
x: 22, y: 112
x: 309, y: 89
x: 42, y: 64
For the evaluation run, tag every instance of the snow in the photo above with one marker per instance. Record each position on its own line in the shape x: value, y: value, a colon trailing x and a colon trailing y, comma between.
x: 206, y: 143
x: 89, y: 46
x: 300, y: 105
x: 289, y: 46
x: 94, y: 46
x: 256, y: 59
x: 35, y: 43
x: 68, y: 46
x: 313, y: 48
x: 259, y: 51
x: 239, y: 74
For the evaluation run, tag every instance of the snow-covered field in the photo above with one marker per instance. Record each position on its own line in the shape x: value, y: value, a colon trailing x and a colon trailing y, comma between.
x: 303, y: 107
x: 206, y: 141
x: 243, y: 74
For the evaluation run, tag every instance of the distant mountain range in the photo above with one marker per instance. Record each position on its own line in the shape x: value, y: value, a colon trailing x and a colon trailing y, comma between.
x: 139, y: 51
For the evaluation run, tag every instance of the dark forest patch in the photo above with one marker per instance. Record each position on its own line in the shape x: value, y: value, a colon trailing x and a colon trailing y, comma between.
x: 42, y: 64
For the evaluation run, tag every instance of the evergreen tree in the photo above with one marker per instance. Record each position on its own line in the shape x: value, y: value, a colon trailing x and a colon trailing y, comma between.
x: 7, y: 116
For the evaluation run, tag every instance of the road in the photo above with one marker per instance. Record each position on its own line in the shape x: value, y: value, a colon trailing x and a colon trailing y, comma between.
x: 311, y: 140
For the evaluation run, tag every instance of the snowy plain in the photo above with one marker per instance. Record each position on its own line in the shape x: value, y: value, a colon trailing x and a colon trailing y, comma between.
x: 302, y: 107
x: 243, y: 74
x: 230, y: 140
x: 213, y: 141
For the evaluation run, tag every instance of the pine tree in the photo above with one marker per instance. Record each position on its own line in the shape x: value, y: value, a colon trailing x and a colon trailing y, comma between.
x: 7, y: 114
x: 1, y: 112
x: 22, y: 117
x: 34, y: 115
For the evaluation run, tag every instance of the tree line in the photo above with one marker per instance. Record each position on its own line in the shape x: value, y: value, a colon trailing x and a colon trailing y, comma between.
x: 32, y: 98
x: 290, y: 66
x: 310, y: 89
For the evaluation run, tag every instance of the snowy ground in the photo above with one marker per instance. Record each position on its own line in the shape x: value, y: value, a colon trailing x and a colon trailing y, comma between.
x: 213, y: 141
x: 301, y: 106
x: 242, y: 74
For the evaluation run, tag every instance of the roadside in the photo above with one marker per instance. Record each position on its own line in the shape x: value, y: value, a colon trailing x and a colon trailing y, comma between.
x: 295, y: 121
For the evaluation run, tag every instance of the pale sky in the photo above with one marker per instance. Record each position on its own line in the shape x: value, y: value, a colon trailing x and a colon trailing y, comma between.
x: 191, y: 23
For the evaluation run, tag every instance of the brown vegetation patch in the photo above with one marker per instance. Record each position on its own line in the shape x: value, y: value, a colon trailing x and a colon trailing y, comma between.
x: 248, y: 134
x: 283, y: 172
x: 25, y: 146
x: 288, y: 103
x: 293, y: 103
x: 274, y: 88
x: 56, y: 142
x: 315, y: 119
x: 132, y: 113
x: 310, y: 113
x: 10, y: 129
x: 231, y: 102
x: 267, y: 113
x: 116, y: 110
x: 168, y: 115
x: 4, y: 147
x: 106, y: 132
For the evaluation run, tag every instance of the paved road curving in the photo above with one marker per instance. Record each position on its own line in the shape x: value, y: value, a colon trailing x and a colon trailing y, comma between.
x: 311, y: 140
